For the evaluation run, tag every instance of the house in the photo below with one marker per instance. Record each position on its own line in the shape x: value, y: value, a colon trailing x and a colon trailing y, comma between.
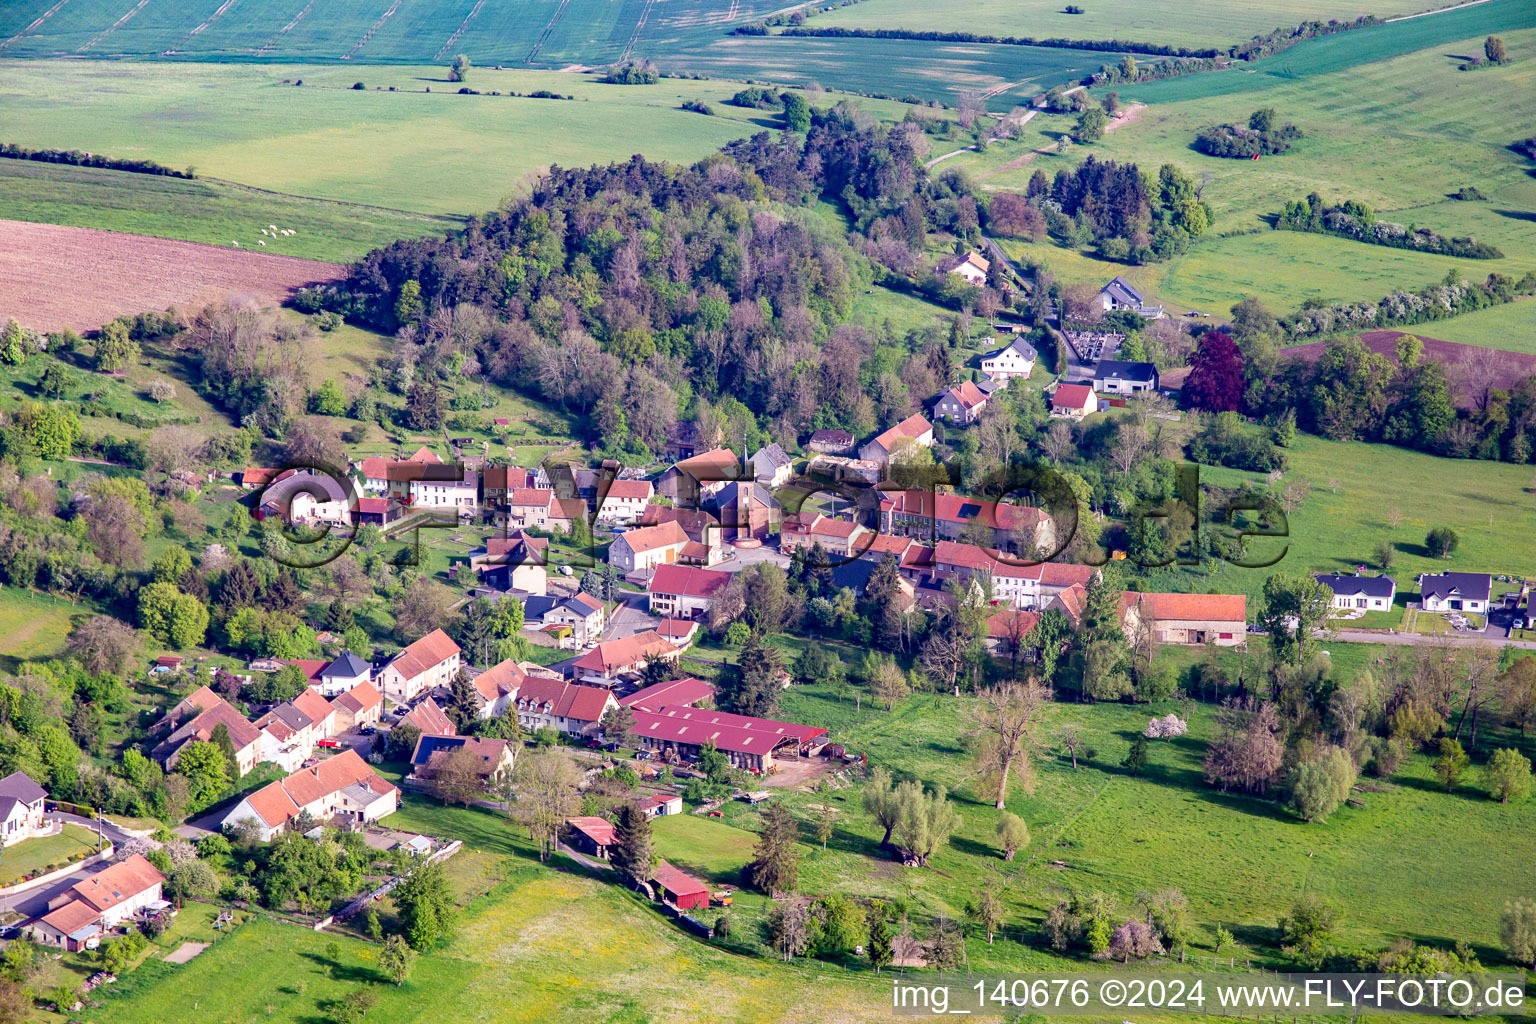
x: 514, y: 563
x: 1015, y: 359
x: 912, y: 430
x: 654, y: 805
x: 839, y: 538
x: 932, y: 516
x: 691, y: 482
x: 496, y: 756
x: 76, y: 918
x: 703, y: 530
x: 612, y: 659
x: 678, y: 632
x: 687, y: 692
x: 345, y: 672
x: 527, y: 507
x: 195, y: 718
x: 430, y: 719
x: 1074, y: 401
x: 749, y: 743
x: 624, y: 501
x: 1112, y: 376
x: 581, y: 617
x: 642, y: 550
x: 567, y: 707
x: 973, y: 266
x: 1007, y: 628
x: 258, y: 476
x: 1121, y: 294
x: 309, y: 497
x: 375, y: 511
x: 341, y: 788
x: 961, y: 404
x: 747, y: 510
x: 1035, y: 586
x: 21, y: 808
x: 1189, y: 619
x: 590, y: 835
x: 1362, y: 592
x: 431, y: 661
x: 772, y: 466
x: 361, y: 706
x: 684, y: 592
x: 290, y: 731
x: 499, y: 684
x: 496, y: 482
x: 679, y: 888
x: 447, y: 487
x: 1455, y: 592
x: 832, y: 442
x: 392, y: 477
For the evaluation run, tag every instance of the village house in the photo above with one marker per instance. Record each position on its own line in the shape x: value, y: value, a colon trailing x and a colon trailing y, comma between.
x: 961, y: 404
x: 1360, y: 592
x: 195, y: 718
x: 1015, y: 359
x: 290, y: 731
x: 750, y: 744
x: 1114, y: 377
x: 705, y: 536
x: 341, y: 789
x: 1455, y: 592
x: 516, y: 564
x: 641, y: 550
x: 569, y: 708
x: 498, y: 685
x: 684, y: 592
x: 912, y: 430
x: 429, y: 719
x: 495, y: 756
x: 1007, y: 629
x: 431, y: 661
x: 21, y: 808
x: 358, y: 708
x: 611, y: 660
x: 1074, y: 401
x: 772, y: 466
x: 78, y: 917
x: 1189, y: 619
x: 450, y: 487
x: 655, y: 805
x: 931, y: 516
x: 579, y: 619
x: 526, y: 507
x: 832, y: 442
x: 624, y: 501
x: 497, y: 482
x: 345, y: 671
x: 1121, y: 294
x: 1034, y: 586
x: 973, y: 267
x: 308, y: 498
x: 839, y: 538
x: 692, y: 482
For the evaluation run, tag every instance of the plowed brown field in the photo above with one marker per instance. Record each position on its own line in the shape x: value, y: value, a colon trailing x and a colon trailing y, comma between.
x: 53, y: 277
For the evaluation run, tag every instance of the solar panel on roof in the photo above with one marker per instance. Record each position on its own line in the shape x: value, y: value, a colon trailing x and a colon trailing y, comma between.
x: 969, y: 510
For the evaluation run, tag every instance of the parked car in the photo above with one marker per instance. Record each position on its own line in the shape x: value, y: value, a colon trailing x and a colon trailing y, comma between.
x: 1517, y: 624
x: 329, y: 744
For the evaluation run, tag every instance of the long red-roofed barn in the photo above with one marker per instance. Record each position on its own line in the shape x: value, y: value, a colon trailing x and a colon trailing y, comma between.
x: 750, y: 743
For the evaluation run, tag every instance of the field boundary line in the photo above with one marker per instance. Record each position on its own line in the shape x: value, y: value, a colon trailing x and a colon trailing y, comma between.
x: 455, y: 218
x: 99, y: 36
x: 634, y: 37
x: 226, y: 5
x: 50, y: 12
x: 1439, y: 10
x: 460, y: 30
x: 267, y: 46
x: 393, y: 7
x: 538, y: 44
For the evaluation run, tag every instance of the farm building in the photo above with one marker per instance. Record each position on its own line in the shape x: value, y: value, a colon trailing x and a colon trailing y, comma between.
x: 676, y: 693
x: 590, y: 835
x: 751, y: 744
x: 1192, y: 619
x: 680, y: 888
x: 654, y: 805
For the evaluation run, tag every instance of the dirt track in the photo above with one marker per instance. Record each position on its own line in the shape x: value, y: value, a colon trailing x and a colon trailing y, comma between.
x: 53, y: 277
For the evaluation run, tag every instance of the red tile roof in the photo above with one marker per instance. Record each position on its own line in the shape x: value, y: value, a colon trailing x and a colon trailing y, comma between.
x: 1071, y: 396
x: 362, y: 697
x: 599, y: 830
x: 630, y: 490
x: 117, y: 884
x: 687, y: 581
x: 955, y: 508
x: 736, y: 733
x: 999, y: 626
x: 965, y: 556
x: 652, y: 538
x: 429, y: 718
x: 675, y: 693
x: 612, y: 656
x: 1192, y: 607
x: 499, y: 680
x: 968, y: 395
x: 311, y: 669
x: 912, y: 427
x: 532, y: 497
x: 567, y: 700
x: 433, y: 649
x: 279, y: 801
x: 677, y: 882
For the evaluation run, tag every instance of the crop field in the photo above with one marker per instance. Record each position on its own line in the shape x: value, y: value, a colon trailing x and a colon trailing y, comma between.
x: 408, y: 150
x: 1511, y: 327
x: 1199, y: 23
x: 540, y: 33
x: 54, y: 277
x: 201, y: 211
x: 891, y: 67
x: 1390, y: 133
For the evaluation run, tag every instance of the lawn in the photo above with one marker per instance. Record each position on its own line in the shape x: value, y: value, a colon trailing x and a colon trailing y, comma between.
x: 1391, y: 133
x: 1196, y: 24
x: 43, y: 854
x: 407, y: 150
x: 33, y: 626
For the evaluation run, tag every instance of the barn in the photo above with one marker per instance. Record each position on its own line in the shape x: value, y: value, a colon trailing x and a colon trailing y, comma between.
x: 680, y: 888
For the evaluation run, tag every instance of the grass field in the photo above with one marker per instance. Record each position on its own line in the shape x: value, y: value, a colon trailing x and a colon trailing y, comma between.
x: 541, y: 33
x: 45, y: 852
x: 1196, y: 24
x: 1392, y: 134
x: 437, y: 153
x: 32, y: 626
x: 1511, y: 327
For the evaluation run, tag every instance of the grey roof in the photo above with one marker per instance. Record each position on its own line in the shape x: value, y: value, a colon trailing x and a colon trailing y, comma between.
x: 1122, y: 290
x: 832, y: 436
x: 1364, y: 586
x: 776, y: 455
x: 347, y: 665
x: 538, y: 605
x: 1115, y: 369
x: 1470, y: 586
x: 1020, y: 346
x: 19, y: 786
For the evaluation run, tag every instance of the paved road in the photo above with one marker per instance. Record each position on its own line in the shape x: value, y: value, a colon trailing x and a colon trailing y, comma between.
x: 629, y: 617
x: 33, y: 901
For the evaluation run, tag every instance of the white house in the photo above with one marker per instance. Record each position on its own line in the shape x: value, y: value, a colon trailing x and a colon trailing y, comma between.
x: 1121, y: 294
x: 973, y: 266
x: 625, y: 500
x: 1360, y: 592
x: 344, y: 673
x: 772, y: 466
x: 1456, y: 592
x: 643, y: 549
x: 451, y: 487
x: 431, y: 661
x: 1116, y: 377
x: 341, y: 788
x: 1016, y: 359
x: 21, y: 808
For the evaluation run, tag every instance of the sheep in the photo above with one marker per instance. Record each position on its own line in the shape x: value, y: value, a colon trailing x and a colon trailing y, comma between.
x: 261, y: 243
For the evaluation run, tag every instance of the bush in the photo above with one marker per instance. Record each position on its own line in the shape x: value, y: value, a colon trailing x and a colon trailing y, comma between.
x: 1441, y: 542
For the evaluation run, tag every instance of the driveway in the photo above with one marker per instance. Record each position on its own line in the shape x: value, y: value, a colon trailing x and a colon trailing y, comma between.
x: 743, y: 557
x: 629, y: 617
